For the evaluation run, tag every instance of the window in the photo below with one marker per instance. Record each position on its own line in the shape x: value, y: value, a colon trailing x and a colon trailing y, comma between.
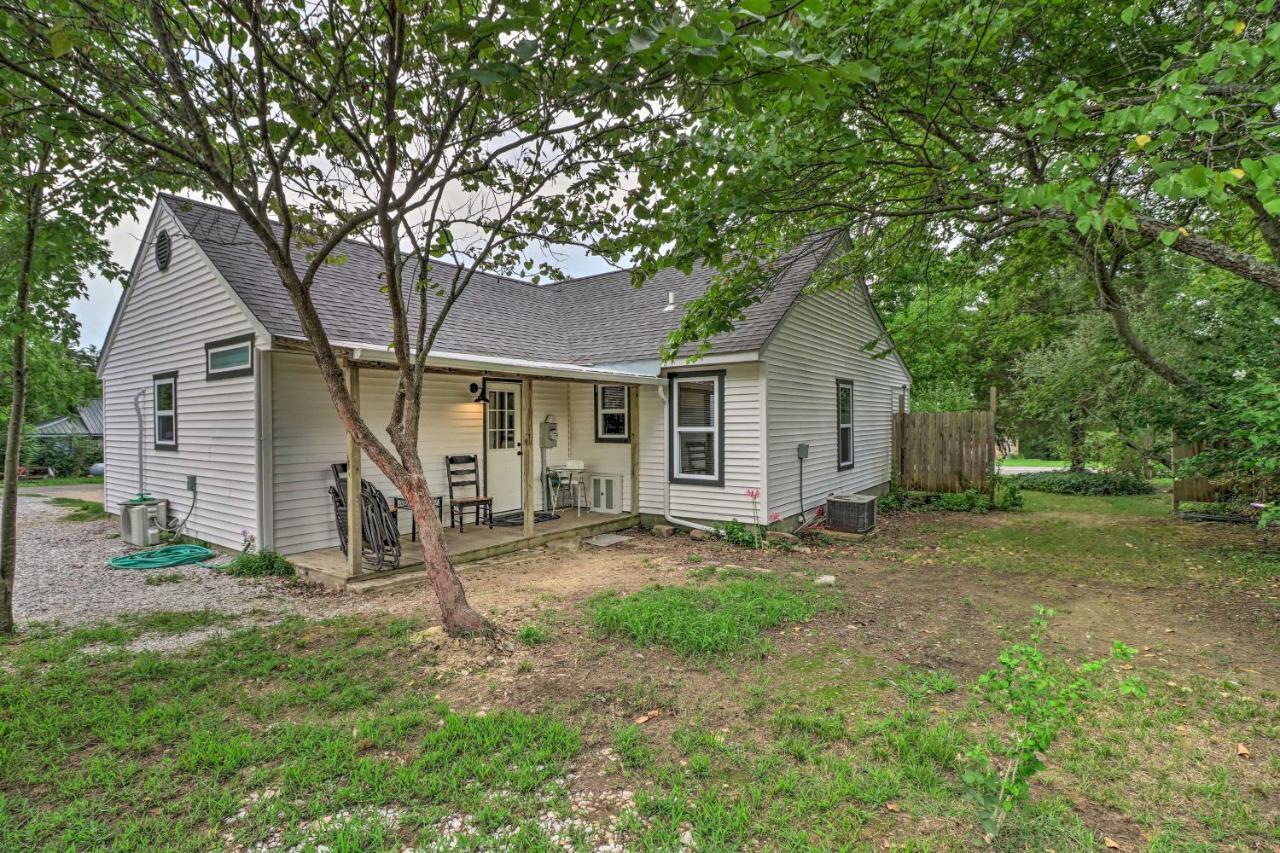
x: 501, y: 426
x: 844, y: 424
x: 697, y: 434
x: 613, y: 413
x: 229, y: 358
x: 164, y: 396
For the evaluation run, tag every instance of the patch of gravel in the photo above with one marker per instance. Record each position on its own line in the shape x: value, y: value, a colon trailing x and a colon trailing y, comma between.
x: 62, y: 576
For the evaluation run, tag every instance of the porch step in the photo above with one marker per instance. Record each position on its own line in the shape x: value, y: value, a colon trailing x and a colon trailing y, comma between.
x: 405, y: 576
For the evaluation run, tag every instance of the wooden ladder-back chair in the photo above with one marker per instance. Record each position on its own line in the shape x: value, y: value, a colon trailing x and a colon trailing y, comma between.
x: 463, y: 472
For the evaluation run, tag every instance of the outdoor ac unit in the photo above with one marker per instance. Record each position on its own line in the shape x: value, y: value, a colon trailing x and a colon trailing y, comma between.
x: 851, y: 513
x: 606, y: 493
x: 140, y: 523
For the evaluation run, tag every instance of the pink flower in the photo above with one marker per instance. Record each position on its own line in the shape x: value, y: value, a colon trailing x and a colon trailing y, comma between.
x: 775, y: 516
x: 754, y: 494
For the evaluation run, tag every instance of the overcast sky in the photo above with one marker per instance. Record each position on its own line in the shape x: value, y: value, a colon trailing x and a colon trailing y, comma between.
x: 96, y: 310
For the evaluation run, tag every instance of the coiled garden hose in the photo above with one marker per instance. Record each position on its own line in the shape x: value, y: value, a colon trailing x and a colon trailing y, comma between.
x: 162, y: 558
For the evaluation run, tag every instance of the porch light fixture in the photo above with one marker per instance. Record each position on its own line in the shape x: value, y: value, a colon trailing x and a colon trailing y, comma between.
x: 481, y: 396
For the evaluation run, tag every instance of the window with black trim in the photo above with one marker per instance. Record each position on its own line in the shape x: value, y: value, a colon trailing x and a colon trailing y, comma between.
x: 697, y: 428
x: 844, y: 424
x: 164, y: 396
x: 613, y: 413
x: 229, y: 358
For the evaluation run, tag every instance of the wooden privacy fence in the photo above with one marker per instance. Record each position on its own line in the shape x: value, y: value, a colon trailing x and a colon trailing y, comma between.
x: 945, y: 451
x: 1201, y: 489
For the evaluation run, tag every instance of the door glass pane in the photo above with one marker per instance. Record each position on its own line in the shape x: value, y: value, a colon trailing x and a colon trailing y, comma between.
x: 696, y: 453
x: 502, y: 420
x: 695, y: 403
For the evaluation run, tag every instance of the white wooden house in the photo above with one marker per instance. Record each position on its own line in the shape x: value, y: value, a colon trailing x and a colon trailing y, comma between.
x: 207, y: 382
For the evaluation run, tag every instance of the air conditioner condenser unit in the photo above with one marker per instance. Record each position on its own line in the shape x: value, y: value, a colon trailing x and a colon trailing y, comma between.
x: 851, y: 513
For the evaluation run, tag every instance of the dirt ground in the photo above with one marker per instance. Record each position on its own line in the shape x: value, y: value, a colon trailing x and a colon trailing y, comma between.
x: 926, y: 614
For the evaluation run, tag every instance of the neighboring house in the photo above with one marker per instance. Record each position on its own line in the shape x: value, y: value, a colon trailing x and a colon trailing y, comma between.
x: 87, y: 421
x: 206, y: 373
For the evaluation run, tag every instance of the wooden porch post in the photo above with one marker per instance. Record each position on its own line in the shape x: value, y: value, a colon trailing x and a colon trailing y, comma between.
x: 355, y: 541
x: 633, y: 427
x: 528, y: 449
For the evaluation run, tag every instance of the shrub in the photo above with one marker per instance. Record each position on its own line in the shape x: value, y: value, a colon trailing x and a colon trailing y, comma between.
x: 966, y: 501
x: 1008, y: 493
x: 1084, y: 483
x: 259, y: 564
x: 68, y: 456
x: 702, y: 620
x: 742, y: 535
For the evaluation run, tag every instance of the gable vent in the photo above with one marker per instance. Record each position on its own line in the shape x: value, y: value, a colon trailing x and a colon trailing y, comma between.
x: 164, y: 250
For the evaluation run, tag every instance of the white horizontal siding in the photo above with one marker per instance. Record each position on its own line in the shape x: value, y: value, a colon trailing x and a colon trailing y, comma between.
x: 163, y: 326
x: 307, y: 438
x: 819, y: 340
x: 743, y: 452
x: 600, y: 457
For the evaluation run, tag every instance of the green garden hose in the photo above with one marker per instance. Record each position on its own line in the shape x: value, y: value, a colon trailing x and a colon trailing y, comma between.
x: 162, y: 558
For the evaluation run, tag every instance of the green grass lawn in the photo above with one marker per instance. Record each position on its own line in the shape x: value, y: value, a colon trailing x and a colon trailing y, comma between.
x: 735, y: 705
x: 59, y: 481
x: 1034, y: 463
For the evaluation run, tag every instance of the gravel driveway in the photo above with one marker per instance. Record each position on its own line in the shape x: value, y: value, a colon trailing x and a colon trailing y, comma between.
x: 62, y: 576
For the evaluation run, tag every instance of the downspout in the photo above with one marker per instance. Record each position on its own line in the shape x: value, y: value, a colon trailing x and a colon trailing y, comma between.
x: 137, y: 410
x: 666, y: 471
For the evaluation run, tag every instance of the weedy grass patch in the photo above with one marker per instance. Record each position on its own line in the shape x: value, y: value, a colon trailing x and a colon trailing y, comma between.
x: 305, y: 732
x: 703, y: 620
x: 81, y: 510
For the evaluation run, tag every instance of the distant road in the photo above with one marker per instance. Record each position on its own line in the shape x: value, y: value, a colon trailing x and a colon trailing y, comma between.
x: 1028, y: 469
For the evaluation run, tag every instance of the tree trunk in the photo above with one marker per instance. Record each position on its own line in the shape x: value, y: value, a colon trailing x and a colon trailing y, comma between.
x: 460, y: 619
x: 1076, y: 436
x: 17, y: 409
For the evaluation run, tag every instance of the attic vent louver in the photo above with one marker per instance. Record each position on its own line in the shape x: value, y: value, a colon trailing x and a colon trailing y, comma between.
x: 164, y: 250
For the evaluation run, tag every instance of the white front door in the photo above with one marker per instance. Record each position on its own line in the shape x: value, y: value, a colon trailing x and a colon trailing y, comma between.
x: 502, y: 445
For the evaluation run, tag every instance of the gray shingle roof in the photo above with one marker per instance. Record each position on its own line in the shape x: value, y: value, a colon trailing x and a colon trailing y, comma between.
x: 592, y: 320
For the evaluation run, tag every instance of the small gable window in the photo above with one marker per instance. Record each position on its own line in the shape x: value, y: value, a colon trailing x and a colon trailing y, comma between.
x: 164, y: 394
x: 229, y: 358
x: 613, y: 413
x: 844, y: 424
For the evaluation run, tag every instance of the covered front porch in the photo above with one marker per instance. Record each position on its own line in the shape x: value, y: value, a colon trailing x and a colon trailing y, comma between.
x: 518, y: 426
x: 332, y: 568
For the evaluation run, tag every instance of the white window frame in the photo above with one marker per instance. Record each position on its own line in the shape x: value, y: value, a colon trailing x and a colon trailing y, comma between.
x: 244, y: 342
x: 843, y: 463
x: 625, y: 411
x: 157, y: 382
x: 716, y: 429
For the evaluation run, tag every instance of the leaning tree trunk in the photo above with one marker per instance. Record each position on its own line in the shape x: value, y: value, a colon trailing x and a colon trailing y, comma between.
x: 17, y: 410
x: 460, y: 619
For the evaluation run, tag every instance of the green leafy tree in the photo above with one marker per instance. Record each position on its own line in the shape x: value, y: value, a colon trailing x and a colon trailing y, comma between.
x: 64, y: 187
x: 1111, y: 128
